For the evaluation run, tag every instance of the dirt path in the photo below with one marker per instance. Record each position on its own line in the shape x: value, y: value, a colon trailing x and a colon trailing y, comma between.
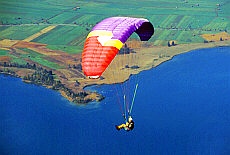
x: 43, y: 31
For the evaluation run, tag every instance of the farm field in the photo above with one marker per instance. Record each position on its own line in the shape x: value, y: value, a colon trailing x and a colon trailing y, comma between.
x: 51, y: 33
x: 75, y: 19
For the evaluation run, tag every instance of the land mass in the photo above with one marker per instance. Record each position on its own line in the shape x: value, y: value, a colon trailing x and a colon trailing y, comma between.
x: 69, y: 80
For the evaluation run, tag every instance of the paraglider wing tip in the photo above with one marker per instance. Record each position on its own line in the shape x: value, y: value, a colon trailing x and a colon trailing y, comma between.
x: 145, y: 31
x: 94, y: 77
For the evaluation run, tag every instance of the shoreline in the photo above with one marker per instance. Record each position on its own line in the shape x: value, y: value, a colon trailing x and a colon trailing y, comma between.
x: 144, y: 58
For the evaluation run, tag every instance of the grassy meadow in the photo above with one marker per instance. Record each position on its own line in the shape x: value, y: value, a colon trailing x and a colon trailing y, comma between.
x: 181, y: 20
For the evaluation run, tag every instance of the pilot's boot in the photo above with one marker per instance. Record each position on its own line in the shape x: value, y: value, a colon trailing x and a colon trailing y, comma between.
x: 118, y: 127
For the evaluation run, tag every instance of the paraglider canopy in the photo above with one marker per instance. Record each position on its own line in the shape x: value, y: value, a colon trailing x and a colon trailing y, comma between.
x: 107, y: 38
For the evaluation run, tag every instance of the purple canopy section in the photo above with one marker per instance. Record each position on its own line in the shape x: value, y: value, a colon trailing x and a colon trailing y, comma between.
x: 123, y: 27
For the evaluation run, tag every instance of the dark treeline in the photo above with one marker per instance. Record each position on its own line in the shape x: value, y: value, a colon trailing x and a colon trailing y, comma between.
x: 78, y: 66
x: 189, y: 28
x: 42, y: 76
x: 27, y: 65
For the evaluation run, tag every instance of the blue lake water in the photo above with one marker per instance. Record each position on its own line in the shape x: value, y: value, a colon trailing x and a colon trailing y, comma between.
x: 181, y: 107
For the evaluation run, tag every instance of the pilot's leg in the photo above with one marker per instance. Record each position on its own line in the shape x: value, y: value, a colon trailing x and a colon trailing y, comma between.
x: 118, y: 127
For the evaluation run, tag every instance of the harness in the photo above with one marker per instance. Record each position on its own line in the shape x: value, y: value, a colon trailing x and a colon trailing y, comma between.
x: 129, y: 126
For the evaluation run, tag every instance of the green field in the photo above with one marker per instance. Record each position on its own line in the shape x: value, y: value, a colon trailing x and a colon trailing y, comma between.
x: 19, y: 32
x: 180, y: 20
x: 3, y: 52
x: 38, y: 58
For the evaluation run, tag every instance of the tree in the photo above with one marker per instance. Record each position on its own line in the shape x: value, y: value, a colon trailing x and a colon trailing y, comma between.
x: 169, y: 44
x: 50, y: 72
x: 34, y: 66
x: 5, y: 64
x: 77, y: 83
